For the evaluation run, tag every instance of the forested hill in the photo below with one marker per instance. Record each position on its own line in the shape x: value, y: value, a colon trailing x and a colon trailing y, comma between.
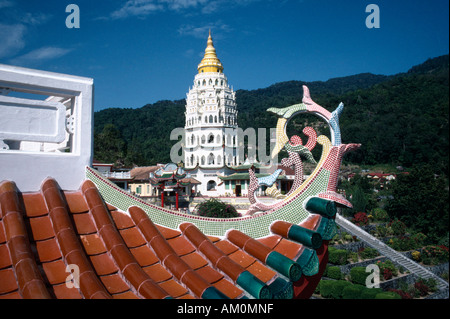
x: 399, y: 120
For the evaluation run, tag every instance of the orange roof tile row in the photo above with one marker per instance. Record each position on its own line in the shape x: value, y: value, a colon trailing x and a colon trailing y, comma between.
x: 71, y: 244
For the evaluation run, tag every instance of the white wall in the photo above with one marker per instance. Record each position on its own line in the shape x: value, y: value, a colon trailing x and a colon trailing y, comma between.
x: 23, y: 162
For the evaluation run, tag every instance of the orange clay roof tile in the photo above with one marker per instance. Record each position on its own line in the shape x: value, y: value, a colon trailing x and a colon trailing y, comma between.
x: 122, y: 255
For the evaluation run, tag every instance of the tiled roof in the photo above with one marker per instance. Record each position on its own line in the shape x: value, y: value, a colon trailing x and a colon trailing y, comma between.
x: 47, y: 235
x: 142, y: 173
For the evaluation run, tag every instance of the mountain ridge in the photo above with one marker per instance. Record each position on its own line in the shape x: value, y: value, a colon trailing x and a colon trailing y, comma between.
x: 368, y: 98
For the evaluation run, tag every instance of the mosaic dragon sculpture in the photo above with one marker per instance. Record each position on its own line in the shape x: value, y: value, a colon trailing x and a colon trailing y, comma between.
x: 332, y: 154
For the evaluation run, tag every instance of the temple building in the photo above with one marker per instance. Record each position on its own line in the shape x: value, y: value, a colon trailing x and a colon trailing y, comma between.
x: 211, y: 125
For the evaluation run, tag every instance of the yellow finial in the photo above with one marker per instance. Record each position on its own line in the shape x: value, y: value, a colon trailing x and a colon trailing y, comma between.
x: 210, y: 61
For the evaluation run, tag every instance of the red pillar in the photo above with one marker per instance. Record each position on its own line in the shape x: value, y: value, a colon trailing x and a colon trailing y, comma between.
x: 176, y: 199
x: 162, y: 196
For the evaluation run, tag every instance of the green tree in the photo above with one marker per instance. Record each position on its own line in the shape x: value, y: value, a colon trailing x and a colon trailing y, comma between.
x: 216, y: 209
x: 358, y: 200
x: 420, y: 200
x: 109, y: 146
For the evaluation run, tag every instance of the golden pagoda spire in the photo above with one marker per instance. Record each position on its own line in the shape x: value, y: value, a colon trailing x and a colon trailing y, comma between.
x: 210, y: 61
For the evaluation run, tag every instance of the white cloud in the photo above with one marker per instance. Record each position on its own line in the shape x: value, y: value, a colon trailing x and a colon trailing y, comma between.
x: 201, y: 32
x: 182, y: 4
x: 35, y: 19
x: 40, y: 55
x: 6, y: 4
x: 12, y: 39
x: 142, y: 8
x: 136, y: 8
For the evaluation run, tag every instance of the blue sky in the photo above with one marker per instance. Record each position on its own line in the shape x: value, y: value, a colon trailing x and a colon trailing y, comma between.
x: 142, y: 51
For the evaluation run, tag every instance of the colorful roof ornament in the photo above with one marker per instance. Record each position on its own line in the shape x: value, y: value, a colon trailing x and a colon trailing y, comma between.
x: 99, y: 241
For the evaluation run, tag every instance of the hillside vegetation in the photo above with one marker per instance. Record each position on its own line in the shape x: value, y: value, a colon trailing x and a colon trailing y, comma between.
x: 399, y: 120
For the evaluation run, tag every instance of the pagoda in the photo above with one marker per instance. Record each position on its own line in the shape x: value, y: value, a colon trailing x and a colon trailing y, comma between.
x: 211, y: 125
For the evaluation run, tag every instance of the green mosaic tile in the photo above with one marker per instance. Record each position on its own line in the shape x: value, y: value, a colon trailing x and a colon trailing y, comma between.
x: 255, y: 226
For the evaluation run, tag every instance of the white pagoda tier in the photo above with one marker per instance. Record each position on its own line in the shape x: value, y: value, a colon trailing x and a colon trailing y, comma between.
x: 211, y: 125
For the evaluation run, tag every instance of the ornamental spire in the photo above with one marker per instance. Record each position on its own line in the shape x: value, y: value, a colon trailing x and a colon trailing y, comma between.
x: 210, y: 61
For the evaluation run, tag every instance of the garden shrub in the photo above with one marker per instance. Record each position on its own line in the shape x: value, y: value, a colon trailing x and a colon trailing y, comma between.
x: 358, y: 275
x: 382, y: 231
x: 353, y: 257
x: 334, y: 272
x: 387, y: 274
x: 338, y: 288
x: 388, y: 295
x: 402, y: 243
x: 424, y: 286
x: 337, y: 256
x: 398, y: 227
x: 216, y: 208
x: 370, y: 293
x: 368, y: 253
x: 403, y: 294
x: 326, y: 287
x: 348, y: 237
x: 380, y: 214
x: 360, y: 219
x: 419, y: 239
x: 352, y: 292
x: 387, y: 264
x: 431, y: 283
x: 416, y: 255
x: 433, y: 255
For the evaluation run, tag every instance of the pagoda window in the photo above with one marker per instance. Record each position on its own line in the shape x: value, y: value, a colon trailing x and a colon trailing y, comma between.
x: 217, y: 81
x: 203, y: 139
x: 219, y: 160
x: 227, y: 184
x: 211, y: 138
x: 210, y: 82
x: 203, y: 160
x: 211, y: 119
x: 204, y: 81
x: 206, y: 119
x: 215, y: 119
x: 211, y: 159
x: 192, y: 160
x: 211, y: 185
x: 218, y: 139
x: 192, y: 139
